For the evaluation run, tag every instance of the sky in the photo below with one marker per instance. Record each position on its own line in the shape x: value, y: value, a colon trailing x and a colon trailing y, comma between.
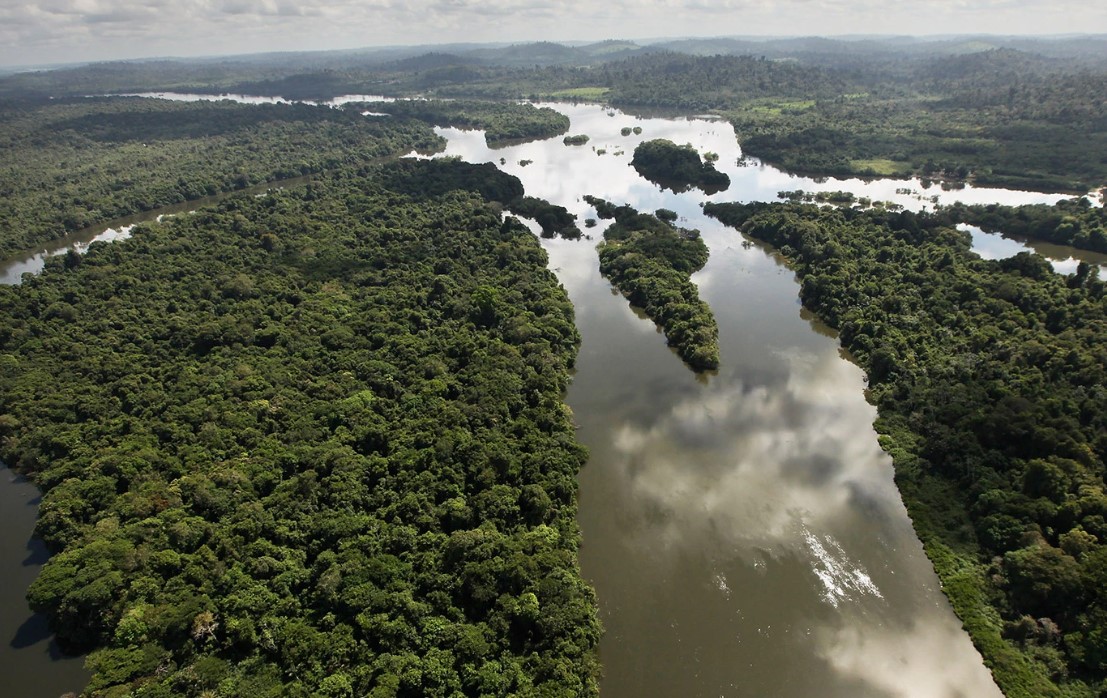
x: 34, y: 32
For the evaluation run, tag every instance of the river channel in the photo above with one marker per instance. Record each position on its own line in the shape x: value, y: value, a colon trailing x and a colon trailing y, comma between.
x: 741, y: 528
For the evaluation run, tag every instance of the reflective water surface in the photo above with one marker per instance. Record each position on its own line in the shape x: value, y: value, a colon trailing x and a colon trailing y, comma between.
x: 30, y: 662
x: 1064, y: 259
x: 742, y: 528
x: 253, y: 99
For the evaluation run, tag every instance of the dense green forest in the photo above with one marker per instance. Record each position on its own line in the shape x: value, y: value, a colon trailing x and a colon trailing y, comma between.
x: 411, y: 177
x: 1073, y: 222
x: 1000, y: 110
x: 75, y: 163
x: 677, y: 167
x: 1007, y: 112
x: 651, y: 262
x: 1001, y: 117
x: 553, y: 219
x: 988, y: 378
x: 311, y: 443
x: 502, y: 122
x: 80, y: 162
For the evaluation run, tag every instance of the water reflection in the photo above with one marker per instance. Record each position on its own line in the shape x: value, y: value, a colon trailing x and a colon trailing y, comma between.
x: 31, y: 664
x: 12, y: 270
x: 744, y: 532
x: 1063, y: 259
x: 253, y: 99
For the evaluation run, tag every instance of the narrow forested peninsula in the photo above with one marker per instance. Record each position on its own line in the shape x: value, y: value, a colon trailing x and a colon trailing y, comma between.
x: 502, y: 122
x: 677, y: 167
x: 309, y: 443
x: 555, y: 221
x: 988, y: 378
x: 411, y: 177
x: 651, y: 262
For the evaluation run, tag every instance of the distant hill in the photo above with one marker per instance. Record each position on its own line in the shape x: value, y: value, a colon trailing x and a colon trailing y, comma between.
x: 431, y: 61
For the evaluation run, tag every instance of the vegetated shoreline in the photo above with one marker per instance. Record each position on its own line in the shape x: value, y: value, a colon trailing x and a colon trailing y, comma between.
x: 997, y: 111
x: 492, y: 300
x: 1022, y: 577
x: 1074, y: 222
x: 503, y: 122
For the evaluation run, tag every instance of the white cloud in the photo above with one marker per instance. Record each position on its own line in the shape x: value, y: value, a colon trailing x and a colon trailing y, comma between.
x: 58, y: 30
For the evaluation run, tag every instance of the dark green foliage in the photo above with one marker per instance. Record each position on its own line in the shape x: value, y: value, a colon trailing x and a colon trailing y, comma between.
x: 1027, y: 114
x: 416, y: 179
x: 334, y: 463
x: 704, y: 83
x: 677, y: 167
x: 1042, y: 131
x: 501, y: 121
x: 651, y: 262
x: 988, y: 377
x: 554, y: 219
x: 579, y: 139
x: 1074, y: 222
x: 999, y: 118
x: 75, y: 163
x: 449, y: 174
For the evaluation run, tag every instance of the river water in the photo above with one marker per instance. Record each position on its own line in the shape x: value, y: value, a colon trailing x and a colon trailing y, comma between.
x: 742, y: 528
x: 30, y: 661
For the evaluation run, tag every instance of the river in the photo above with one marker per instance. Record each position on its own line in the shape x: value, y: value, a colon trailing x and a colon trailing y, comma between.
x: 30, y: 661
x: 742, y: 528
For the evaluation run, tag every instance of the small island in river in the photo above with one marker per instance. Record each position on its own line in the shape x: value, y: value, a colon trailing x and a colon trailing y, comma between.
x: 651, y: 262
x: 677, y: 167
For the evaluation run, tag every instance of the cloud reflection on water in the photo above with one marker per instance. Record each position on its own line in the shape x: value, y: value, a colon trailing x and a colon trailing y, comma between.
x: 780, y: 485
x: 744, y: 532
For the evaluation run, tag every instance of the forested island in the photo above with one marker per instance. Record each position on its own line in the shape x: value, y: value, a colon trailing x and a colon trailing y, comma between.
x: 75, y: 163
x: 651, y: 262
x: 309, y: 443
x: 988, y: 380
x: 677, y: 167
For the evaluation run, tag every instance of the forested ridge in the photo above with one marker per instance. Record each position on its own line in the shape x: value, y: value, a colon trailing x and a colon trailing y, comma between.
x: 309, y: 443
x: 651, y: 262
x: 988, y: 378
